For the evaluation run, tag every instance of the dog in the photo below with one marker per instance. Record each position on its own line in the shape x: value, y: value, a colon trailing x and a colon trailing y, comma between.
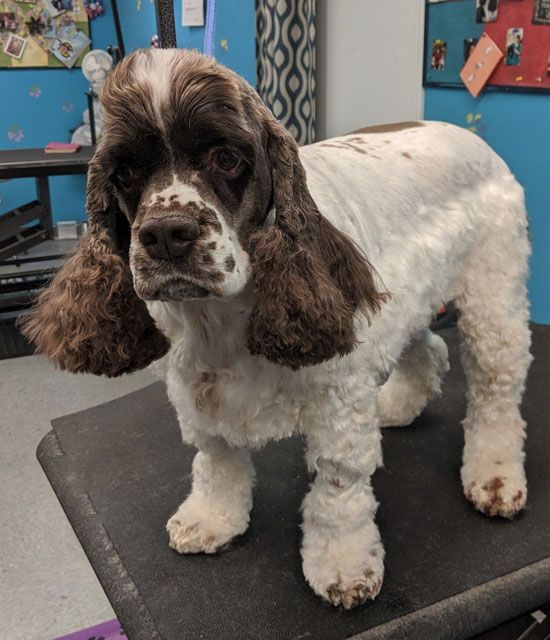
x: 292, y: 291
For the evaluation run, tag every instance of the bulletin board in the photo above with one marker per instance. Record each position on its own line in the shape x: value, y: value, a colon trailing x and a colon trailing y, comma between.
x: 520, y: 28
x: 43, y: 33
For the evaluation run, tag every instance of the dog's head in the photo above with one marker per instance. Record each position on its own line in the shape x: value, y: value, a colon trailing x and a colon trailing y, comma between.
x: 195, y: 192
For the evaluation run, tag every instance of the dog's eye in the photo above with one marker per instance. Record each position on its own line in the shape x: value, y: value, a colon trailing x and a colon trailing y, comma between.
x: 226, y: 160
x: 123, y: 177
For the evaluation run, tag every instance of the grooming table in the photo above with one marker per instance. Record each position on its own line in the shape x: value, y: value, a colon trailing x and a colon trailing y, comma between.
x: 120, y: 470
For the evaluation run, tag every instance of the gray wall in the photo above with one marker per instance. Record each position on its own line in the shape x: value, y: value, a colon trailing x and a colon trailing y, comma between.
x: 369, y: 63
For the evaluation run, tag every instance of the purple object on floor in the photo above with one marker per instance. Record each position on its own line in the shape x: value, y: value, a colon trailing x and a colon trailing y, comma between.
x: 105, y: 631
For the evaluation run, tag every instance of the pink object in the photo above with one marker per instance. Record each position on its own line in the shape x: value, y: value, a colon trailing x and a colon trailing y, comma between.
x: 61, y: 147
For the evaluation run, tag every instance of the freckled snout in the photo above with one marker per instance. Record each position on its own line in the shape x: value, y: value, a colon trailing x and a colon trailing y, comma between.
x: 168, y: 238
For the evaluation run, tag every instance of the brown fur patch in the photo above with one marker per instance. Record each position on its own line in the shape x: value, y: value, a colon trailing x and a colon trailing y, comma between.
x: 89, y: 319
x: 389, y: 128
x: 349, y: 145
x: 493, y: 485
x: 357, y: 140
x: 310, y: 277
x: 206, y: 399
x: 206, y: 217
x: 229, y: 263
x: 333, y: 145
x: 494, y: 501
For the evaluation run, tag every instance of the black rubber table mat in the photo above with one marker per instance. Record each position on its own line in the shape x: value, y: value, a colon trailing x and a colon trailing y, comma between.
x: 120, y: 470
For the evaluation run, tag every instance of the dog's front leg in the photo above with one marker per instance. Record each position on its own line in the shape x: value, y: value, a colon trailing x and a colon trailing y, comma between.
x: 343, y: 556
x: 218, y: 507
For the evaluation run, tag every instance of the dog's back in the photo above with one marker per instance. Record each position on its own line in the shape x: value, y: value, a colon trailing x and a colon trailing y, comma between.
x: 418, y: 198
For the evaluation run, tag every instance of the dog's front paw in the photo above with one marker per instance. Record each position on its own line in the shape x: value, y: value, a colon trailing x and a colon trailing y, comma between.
x: 496, y: 489
x: 346, y: 570
x: 200, y: 528
x: 350, y: 593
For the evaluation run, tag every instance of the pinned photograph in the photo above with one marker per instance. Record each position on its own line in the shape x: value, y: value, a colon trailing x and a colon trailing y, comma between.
x: 514, y: 46
x: 15, y: 46
x: 69, y: 44
x: 57, y: 7
x: 47, y: 25
x: 486, y: 10
x: 469, y: 46
x: 439, y: 54
x: 541, y: 14
x: 8, y: 21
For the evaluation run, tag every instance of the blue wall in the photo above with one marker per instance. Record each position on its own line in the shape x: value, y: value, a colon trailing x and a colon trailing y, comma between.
x: 517, y: 126
x: 39, y: 106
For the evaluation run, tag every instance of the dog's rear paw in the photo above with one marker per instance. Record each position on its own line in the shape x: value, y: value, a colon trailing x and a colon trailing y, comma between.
x: 194, y: 529
x: 500, y: 491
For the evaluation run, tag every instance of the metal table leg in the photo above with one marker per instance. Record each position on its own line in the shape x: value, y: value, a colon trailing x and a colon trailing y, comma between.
x: 43, y: 192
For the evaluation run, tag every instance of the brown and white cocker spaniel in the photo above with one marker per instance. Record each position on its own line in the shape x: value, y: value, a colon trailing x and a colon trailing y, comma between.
x: 293, y: 291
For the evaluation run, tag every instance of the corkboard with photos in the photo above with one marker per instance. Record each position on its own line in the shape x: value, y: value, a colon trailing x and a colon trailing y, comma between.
x: 520, y: 28
x: 43, y: 33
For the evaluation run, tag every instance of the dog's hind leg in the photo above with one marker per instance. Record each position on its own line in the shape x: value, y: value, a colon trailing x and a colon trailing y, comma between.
x: 414, y: 380
x: 494, y: 327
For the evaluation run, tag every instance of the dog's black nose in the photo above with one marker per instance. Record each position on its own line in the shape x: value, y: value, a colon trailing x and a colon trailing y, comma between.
x: 168, y: 238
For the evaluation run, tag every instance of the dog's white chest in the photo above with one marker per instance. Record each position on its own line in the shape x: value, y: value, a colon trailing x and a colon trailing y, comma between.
x: 245, y: 404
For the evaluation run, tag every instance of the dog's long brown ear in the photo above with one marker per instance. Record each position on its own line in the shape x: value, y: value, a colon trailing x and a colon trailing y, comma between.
x: 89, y: 319
x: 310, y: 277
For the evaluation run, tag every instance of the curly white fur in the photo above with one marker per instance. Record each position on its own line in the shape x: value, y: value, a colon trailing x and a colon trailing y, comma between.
x: 440, y: 216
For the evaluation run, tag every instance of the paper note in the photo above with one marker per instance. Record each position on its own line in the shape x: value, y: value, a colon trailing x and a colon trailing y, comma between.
x: 480, y: 65
x: 192, y: 13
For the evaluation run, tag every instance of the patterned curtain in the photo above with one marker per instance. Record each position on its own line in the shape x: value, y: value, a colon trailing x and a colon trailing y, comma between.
x: 285, y: 63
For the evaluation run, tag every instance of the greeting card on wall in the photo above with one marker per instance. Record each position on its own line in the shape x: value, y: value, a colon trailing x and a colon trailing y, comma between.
x: 43, y: 33
x: 519, y: 28
x: 480, y: 65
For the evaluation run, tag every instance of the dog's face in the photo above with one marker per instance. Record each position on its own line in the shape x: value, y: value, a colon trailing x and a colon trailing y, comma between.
x: 195, y: 191
x: 184, y: 151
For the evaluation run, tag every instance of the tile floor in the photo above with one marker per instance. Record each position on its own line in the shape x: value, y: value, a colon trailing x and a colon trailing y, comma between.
x: 47, y: 587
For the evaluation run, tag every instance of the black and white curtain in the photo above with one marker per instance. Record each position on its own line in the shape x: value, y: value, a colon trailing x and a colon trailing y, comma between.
x: 285, y: 63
